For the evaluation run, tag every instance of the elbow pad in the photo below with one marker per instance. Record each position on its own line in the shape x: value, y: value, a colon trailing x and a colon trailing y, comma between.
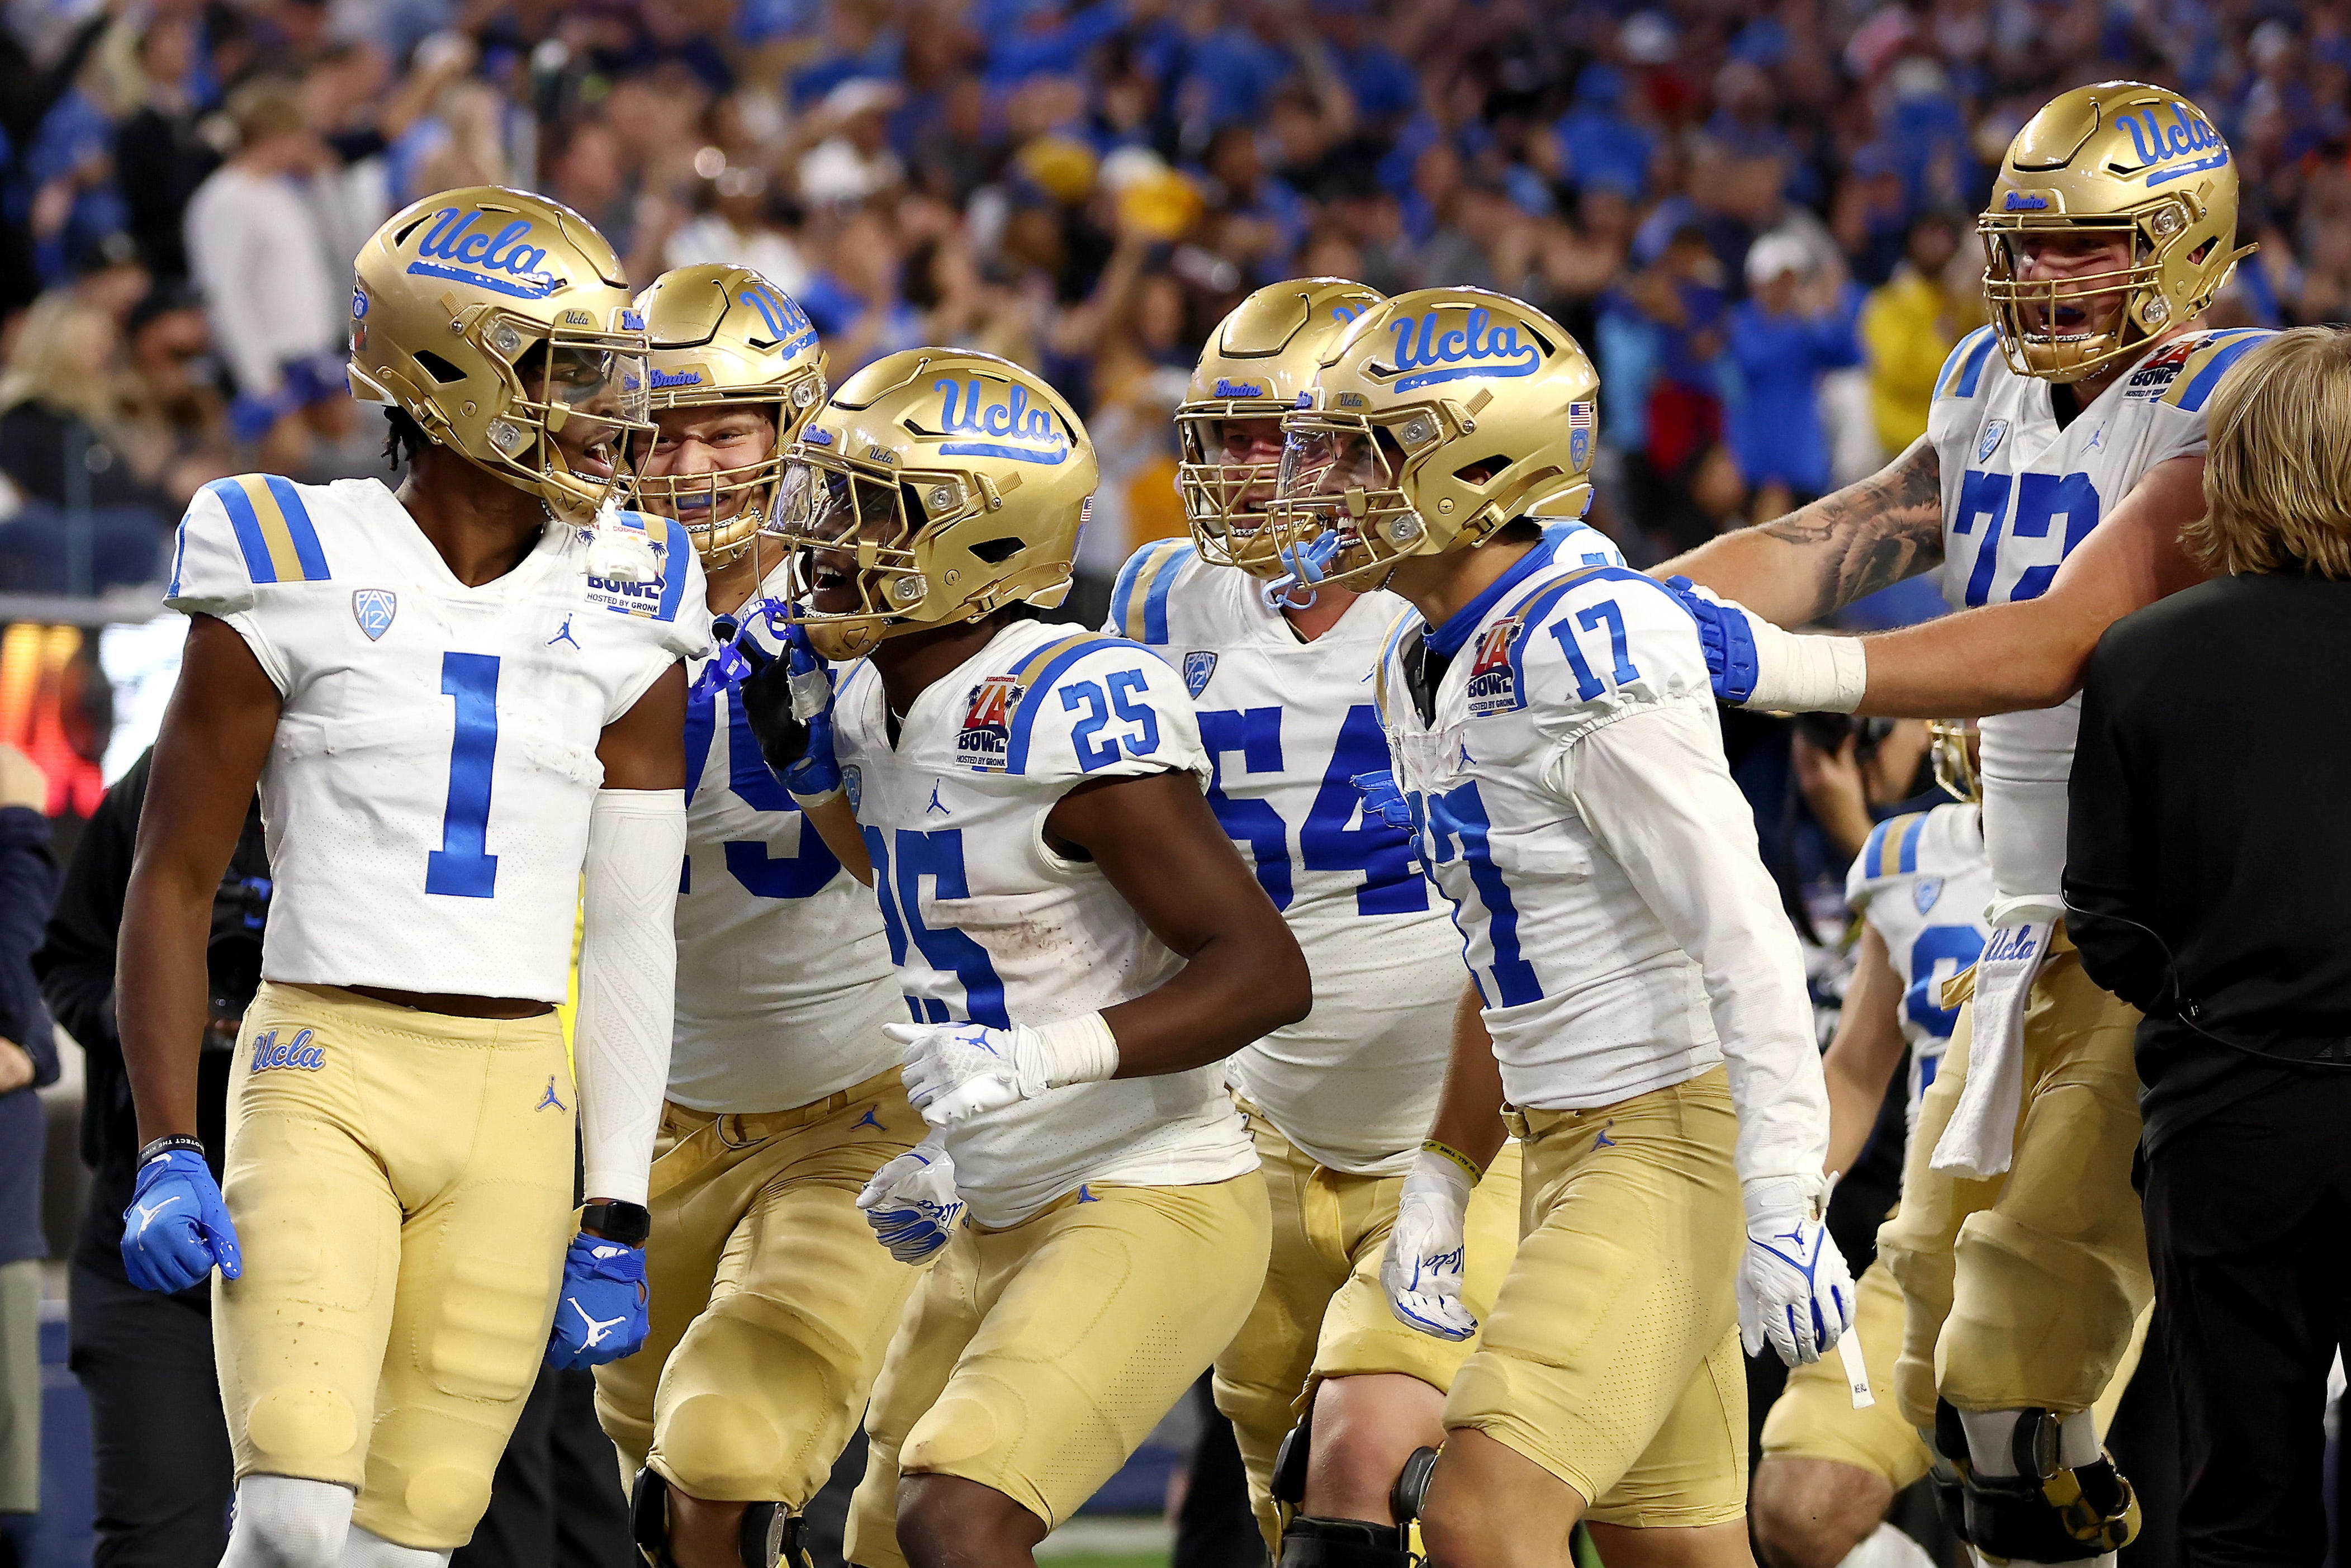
x: 628, y: 983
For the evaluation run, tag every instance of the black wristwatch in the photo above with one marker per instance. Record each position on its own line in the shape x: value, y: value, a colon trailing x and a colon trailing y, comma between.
x: 628, y: 1223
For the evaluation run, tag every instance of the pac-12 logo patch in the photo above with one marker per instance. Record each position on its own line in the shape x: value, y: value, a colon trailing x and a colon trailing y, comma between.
x: 1493, y: 685
x: 985, y: 741
x: 268, y: 1053
x: 1199, y: 665
x: 853, y: 783
x: 1988, y: 442
x: 373, y: 608
x: 1926, y: 891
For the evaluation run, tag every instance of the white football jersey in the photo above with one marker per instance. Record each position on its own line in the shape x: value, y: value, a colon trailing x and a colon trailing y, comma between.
x: 1569, y: 894
x: 1286, y: 725
x: 426, y: 796
x: 783, y: 975
x: 987, y: 924
x: 1923, y: 880
x: 2018, y: 493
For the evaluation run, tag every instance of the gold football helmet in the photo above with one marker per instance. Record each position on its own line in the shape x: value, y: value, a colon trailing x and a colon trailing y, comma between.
x: 1953, y: 741
x: 934, y: 487
x: 501, y: 323
x: 1441, y: 415
x: 1256, y: 364
x: 724, y: 334
x: 2120, y: 157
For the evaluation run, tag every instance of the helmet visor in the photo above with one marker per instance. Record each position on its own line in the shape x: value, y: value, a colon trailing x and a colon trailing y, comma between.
x: 585, y: 392
x: 850, y: 538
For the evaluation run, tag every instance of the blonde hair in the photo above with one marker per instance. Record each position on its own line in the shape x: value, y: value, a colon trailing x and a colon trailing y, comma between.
x: 48, y: 365
x: 2277, y: 480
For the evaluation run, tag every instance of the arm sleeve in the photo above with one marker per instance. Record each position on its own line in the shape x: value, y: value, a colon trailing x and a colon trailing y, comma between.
x: 2108, y: 866
x: 29, y: 880
x: 1655, y: 791
x: 628, y: 983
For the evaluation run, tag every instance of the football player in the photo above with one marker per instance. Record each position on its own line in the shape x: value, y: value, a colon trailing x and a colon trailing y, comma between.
x: 2064, y: 450
x: 1339, y: 1102
x: 771, y: 1305
x: 1553, y: 743
x: 1078, y: 944
x: 454, y: 701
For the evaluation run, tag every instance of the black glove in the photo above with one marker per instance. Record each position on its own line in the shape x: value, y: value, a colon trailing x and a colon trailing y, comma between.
x: 798, y: 751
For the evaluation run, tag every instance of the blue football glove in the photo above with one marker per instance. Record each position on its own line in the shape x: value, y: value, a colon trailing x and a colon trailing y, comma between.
x: 602, y: 1315
x: 177, y: 1227
x: 1727, y: 637
x: 788, y: 701
x: 1383, y: 799
x: 911, y: 1202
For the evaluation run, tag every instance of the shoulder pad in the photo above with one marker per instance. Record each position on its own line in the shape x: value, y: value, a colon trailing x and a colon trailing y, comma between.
x: 1891, y: 851
x: 1962, y: 373
x: 259, y: 527
x: 2208, y: 362
x: 1078, y: 705
x: 1138, y: 598
x: 1585, y: 646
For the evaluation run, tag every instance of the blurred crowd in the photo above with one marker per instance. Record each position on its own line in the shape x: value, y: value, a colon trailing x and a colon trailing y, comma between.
x: 1757, y: 213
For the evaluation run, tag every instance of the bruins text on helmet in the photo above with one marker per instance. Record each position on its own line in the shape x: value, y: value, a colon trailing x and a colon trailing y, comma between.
x: 724, y: 334
x: 1441, y: 415
x: 500, y: 321
x: 2118, y: 160
x: 936, y: 486
x: 1229, y: 427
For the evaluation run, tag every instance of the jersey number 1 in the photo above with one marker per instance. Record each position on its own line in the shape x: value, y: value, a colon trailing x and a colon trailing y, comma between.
x: 462, y: 866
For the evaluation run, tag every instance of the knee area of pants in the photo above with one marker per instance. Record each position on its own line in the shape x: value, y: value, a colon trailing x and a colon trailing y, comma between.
x: 713, y: 1446
x: 440, y: 1502
x: 302, y: 1425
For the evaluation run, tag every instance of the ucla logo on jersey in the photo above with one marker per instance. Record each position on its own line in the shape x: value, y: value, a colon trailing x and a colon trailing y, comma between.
x: 984, y: 744
x: 1995, y: 431
x: 1198, y: 665
x: 1493, y: 685
x: 1924, y: 892
x: 968, y: 411
x: 2159, y: 369
x: 504, y: 263
x: 298, y: 1053
x: 1450, y: 345
x: 373, y: 608
x: 2160, y: 147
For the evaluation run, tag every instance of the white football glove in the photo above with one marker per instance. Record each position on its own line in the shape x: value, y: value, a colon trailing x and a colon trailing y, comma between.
x: 911, y: 1202
x: 959, y: 1070
x: 1427, y: 1258
x: 1794, y: 1290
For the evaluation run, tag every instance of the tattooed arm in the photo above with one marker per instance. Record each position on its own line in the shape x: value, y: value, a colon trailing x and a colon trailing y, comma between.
x: 1825, y: 556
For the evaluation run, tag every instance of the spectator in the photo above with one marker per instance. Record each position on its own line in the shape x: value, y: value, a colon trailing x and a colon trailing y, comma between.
x: 256, y: 250
x: 2205, y: 871
x: 1790, y: 330
x: 1909, y: 323
x: 160, y: 157
x: 28, y: 1061
x: 741, y: 222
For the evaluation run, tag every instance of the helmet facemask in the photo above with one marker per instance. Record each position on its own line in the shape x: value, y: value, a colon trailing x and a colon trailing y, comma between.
x: 1228, y: 495
x: 574, y: 402
x: 1953, y: 744
x: 726, y: 510
x: 861, y: 541
x: 1349, y: 476
x: 2155, y: 290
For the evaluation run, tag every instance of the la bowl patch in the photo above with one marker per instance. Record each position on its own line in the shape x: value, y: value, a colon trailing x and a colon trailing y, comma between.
x: 1493, y: 684
x: 984, y: 744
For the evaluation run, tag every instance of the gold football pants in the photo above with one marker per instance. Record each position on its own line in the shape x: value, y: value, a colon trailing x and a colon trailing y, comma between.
x: 1035, y: 1359
x: 1814, y: 1418
x: 2022, y: 1290
x: 1322, y: 1313
x: 401, y: 1189
x: 1611, y: 1357
x: 772, y: 1301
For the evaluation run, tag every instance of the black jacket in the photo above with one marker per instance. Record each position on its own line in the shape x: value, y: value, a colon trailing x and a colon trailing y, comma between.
x: 28, y: 879
x: 76, y: 963
x: 2209, y: 849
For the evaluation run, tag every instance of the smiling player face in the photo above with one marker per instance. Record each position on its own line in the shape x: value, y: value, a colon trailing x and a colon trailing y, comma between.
x: 692, y: 448
x: 2083, y: 301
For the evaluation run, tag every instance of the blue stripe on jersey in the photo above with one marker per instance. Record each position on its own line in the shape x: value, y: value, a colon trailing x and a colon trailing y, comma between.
x: 1910, y: 837
x: 1154, y: 564
x: 1966, y: 361
x: 701, y: 729
x: 258, y: 567
x: 1037, y: 676
x: 681, y: 549
x: 298, y: 527
x: 2190, y: 399
x: 1873, y: 850
x: 1154, y: 603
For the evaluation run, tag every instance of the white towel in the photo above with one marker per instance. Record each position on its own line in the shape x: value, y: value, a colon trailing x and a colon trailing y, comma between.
x: 1979, y: 1142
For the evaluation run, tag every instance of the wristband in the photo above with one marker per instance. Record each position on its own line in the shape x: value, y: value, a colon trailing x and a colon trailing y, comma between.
x: 1812, y: 673
x: 1469, y: 1167
x: 627, y: 1223
x: 170, y: 1143
x: 1078, y: 1051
